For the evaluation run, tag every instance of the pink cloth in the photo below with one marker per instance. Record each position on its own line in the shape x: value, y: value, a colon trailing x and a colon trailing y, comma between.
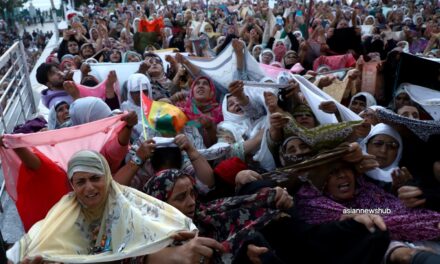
x: 335, y: 62
x: 60, y: 144
x: 272, y: 72
x: 97, y: 91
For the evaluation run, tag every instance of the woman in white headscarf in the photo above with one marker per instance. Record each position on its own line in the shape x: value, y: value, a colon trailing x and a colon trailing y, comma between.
x: 59, y: 116
x: 100, y: 221
x: 239, y: 134
x: 256, y: 51
x: 136, y: 83
x: 385, y: 143
x: 267, y: 56
x: 361, y: 101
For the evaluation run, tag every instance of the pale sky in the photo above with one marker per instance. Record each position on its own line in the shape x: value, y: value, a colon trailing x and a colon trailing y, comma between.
x: 42, y: 4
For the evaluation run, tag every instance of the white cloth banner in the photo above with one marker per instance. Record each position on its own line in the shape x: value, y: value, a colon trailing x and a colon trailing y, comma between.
x: 429, y: 99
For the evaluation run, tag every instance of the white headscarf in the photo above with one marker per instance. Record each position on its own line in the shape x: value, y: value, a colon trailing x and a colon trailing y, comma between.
x: 88, y: 109
x: 383, y: 174
x: 135, y: 83
x: 238, y: 124
x: 52, y: 122
x: 370, y: 100
x: 267, y: 51
x: 255, y: 47
x: 369, y: 17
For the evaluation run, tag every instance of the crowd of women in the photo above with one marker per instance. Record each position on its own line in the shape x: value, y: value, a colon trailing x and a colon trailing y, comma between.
x: 266, y: 164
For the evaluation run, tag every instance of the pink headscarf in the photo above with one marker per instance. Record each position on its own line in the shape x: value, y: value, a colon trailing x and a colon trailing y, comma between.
x: 52, y: 58
x: 65, y: 61
x: 279, y: 50
x: 210, y: 109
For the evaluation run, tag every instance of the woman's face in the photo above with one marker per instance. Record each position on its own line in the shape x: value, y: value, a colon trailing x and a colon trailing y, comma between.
x: 342, y: 24
x: 234, y: 105
x: 305, y: 119
x: 409, y: 111
x: 384, y: 148
x: 72, y: 47
x: 87, y: 51
x: 266, y: 58
x: 115, y: 56
x: 132, y: 58
x: 208, y: 29
x: 369, y: 21
x: 95, y: 34
x: 63, y: 113
x: 291, y: 58
x: 202, y: 90
x: 341, y: 184
x: 257, y: 52
x: 401, y: 100
x: 183, y: 197
x: 155, y: 67
x: 297, y: 147
x: 137, y: 97
x: 89, y: 189
x: 357, y: 106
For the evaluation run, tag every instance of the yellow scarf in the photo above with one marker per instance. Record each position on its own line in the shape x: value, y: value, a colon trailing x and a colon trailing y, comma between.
x: 138, y: 225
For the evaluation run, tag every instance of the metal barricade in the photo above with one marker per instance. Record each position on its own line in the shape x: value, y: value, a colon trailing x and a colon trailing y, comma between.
x: 16, y: 96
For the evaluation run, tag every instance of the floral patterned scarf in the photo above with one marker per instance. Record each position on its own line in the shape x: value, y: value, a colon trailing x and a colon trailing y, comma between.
x: 231, y: 221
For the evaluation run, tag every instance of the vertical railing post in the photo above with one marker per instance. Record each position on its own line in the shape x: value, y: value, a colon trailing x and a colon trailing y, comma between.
x: 27, y: 77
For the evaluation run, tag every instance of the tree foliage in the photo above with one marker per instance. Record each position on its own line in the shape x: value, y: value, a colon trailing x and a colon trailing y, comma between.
x: 9, y: 5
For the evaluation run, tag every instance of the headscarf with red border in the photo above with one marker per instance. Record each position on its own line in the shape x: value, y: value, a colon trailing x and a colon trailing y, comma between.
x: 210, y: 109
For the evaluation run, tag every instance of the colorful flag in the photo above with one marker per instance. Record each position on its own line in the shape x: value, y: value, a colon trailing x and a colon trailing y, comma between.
x: 165, y: 118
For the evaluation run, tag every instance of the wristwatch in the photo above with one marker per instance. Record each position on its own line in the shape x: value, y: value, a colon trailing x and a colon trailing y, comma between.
x: 137, y: 160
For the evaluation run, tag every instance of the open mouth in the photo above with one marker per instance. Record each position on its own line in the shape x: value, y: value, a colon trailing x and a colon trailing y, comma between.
x: 200, y: 91
x: 344, y: 187
x: 91, y: 196
x: 238, y: 109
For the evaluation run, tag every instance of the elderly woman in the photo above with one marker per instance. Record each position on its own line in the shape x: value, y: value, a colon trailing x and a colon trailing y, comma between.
x: 59, y: 116
x: 344, y: 189
x: 267, y: 57
x: 230, y: 220
x: 385, y: 144
x: 87, y: 224
x: 360, y: 101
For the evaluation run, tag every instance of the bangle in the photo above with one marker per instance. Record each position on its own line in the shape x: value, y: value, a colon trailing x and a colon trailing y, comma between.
x: 137, y: 160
